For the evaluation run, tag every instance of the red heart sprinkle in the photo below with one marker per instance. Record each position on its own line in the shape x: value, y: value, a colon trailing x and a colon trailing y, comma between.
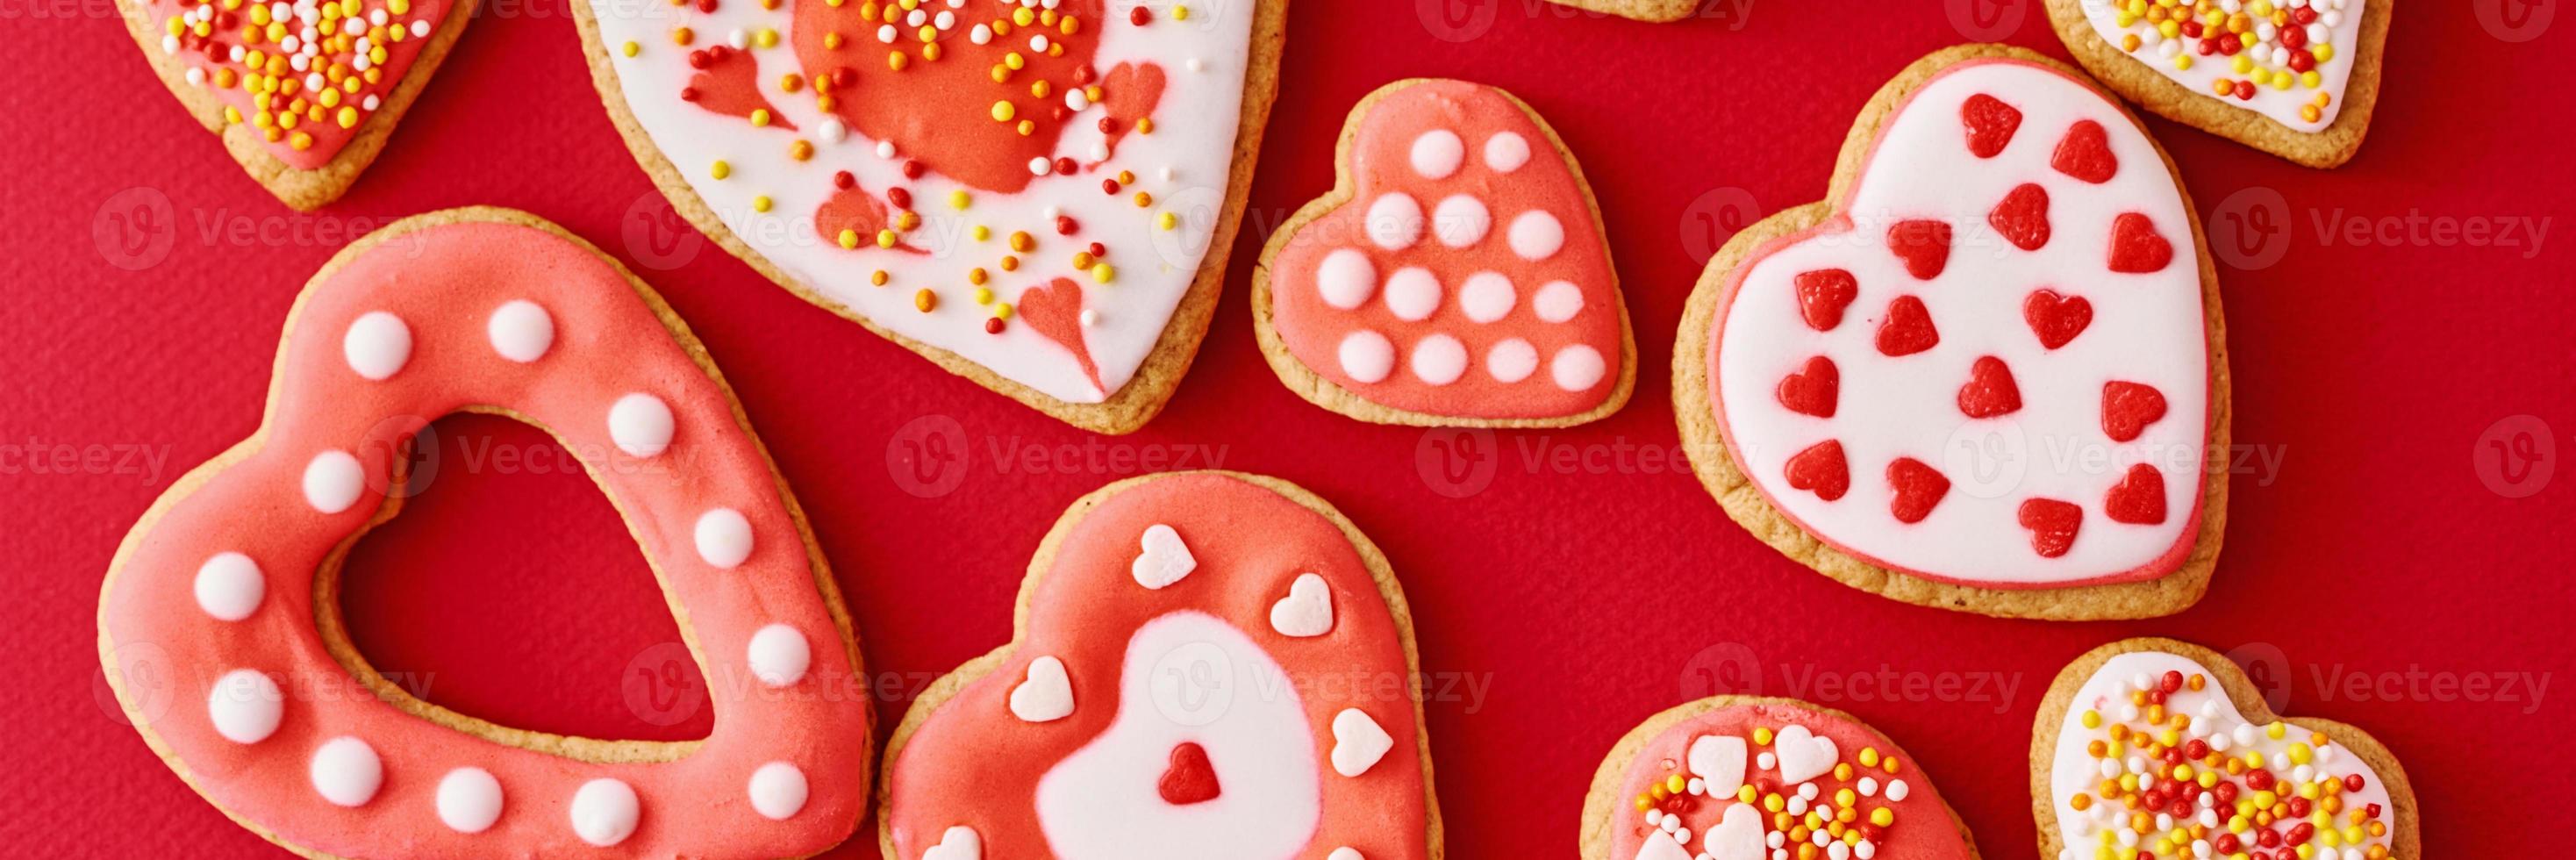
x: 1990, y: 390
x: 2052, y: 525
x: 1190, y: 779
x: 1919, y: 488
x: 2085, y: 153
x: 2022, y: 217
x: 2057, y: 319
x: 2135, y: 247
x: 1924, y: 245
x: 2128, y: 407
x: 1821, y: 468
x: 1822, y: 295
x: 2138, y: 499
x: 1813, y: 391
x: 1907, y: 329
x: 1990, y: 122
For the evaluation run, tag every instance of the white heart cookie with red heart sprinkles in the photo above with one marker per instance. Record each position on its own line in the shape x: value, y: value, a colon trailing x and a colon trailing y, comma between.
x: 1457, y: 274
x: 1190, y: 722
x: 207, y: 618
x: 1029, y: 193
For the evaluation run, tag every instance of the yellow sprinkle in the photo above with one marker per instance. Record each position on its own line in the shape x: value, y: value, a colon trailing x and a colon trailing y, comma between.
x: 983, y: 296
x: 720, y: 170
x: 849, y: 239
x: 1002, y: 311
x: 885, y: 238
x: 1003, y: 111
x: 958, y: 200
x: 760, y: 203
x: 923, y: 300
x: 1102, y: 273
x: 632, y: 49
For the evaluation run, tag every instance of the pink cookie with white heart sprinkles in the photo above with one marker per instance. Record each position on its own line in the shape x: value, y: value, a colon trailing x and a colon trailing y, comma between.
x: 1455, y: 276
x: 1987, y: 373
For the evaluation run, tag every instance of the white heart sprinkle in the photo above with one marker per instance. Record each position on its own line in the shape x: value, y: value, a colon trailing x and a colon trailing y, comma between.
x: 1165, y: 559
x: 1358, y: 742
x: 1306, y: 611
x: 1046, y: 695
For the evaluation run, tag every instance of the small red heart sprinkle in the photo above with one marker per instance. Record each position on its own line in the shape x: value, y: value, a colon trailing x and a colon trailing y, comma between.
x: 1821, y: 468
x: 2128, y: 407
x: 1907, y: 329
x: 1822, y: 295
x: 2138, y: 499
x: 2022, y: 217
x: 1923, y: 245
x: 2052, y: 525
x: 2135, y: 247
x: 1919, y: 488
x: 1990, y: 390
x: 2085, y: 153
x: 1813, y: 390
x: 2057, y: 319
x: 1990, y: 123
x: 1190, y: 779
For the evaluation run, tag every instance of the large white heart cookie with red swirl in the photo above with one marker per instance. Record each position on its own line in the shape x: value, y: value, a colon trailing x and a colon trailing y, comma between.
x: 2295, y: 78
x: 1207, y: 664
x: 1038, y: 196
x: 1988, y: 373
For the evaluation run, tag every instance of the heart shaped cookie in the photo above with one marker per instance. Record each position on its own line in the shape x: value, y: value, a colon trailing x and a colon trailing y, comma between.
x: 303, y: 93
x: 1934, y: 386
x: 1038, y: 196
x: 1455, y: 276
x: 219, y: 623
x: 1818, y: 784
x: 1657, y: 11
x: 2295, y: 78
x: 1198, y: 727
x: 2156, y: 747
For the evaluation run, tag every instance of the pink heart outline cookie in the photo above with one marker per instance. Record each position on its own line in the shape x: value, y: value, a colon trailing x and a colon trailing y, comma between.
x: 1455, y: 276
x: 2340, y: 792
x: 1966, y: 376
x: 1190, y: 719
x: 219, y: 618
x: 2321, y: 71
x: 201, y: 52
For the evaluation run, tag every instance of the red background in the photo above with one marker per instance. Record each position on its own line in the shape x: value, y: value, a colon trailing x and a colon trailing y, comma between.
x: 1582, y: 599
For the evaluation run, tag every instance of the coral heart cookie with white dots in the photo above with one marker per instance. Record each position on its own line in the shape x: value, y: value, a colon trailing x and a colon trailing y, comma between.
x: 1455, y: 276
x: 1988, y: 373
x: 2155, y: 748
x: 1207, y: 664
x: 303, y: 93
x: 219, y: 621
x: 1754, y: 778
x: 1038, y: 196
x: 2295, y: 78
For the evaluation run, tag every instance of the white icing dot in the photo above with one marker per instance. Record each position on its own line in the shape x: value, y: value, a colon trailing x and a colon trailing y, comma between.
x: 1506, y: 152
x: 469, y: 800
x: 521, y: 331
x: 640, y: 424
x: 333, y: 481
x: 778, y: 791
x: 778, y: 655
x: 723, y: 537
x: 1394, y: 221
x: 1412, y: 293
x: 1577, y: 367
x: 229, y: 586
x: 346, y: 772
x: 1558, y: 301
x: 1536, y: 235
x: 1367, y: 356
x: 245, y: 706
x: 1486, y: 297
x: 1345, y: 279
x: 1512, y: 360
x: 377, y: 345
x: 1437, y: 153
x: 1460, y: 221
x: 604, y: 812
x: 1439, y: 359
x: 1345, y: 853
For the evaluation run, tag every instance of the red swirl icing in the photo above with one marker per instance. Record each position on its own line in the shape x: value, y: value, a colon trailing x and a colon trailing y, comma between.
x: 1923, y: 828
x: 728, y: 82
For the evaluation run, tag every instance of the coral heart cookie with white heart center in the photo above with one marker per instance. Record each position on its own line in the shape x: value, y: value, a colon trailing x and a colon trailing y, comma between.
x: 1037, y: 196
x: 2296, y: 78
x: 1988, y: 372
x: 1752, y: 778
x: 208, y: 618
x: 2158, y: 748
x: 1455, y: 276
x: 1216, y: 712
x: 304, y: 94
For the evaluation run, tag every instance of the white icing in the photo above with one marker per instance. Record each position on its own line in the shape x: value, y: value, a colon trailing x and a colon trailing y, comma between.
x: 1367, y: 356
x: 1536, y: 235
x: 229, y: 586
x: 1486, y: 297
x: 1557, y: 301
x: 332, y: 481
x: 605, y: 811
x: 1506, y: 151
x: 377, y: 345
x: 957, y: 843
x: 1163, y: 557
x: 1439, y: 359
x: 1460, y: 221
x: 1045, y: 695
x: 1346, y: 279
x: 469, y: 800
x: 346, y: 771
x: 1358, y: 742
x: 520, y: 331
x: 1307, y: 611
x: 245, y: 706
x: 1512, y: 360
x: 1577, y: 367
x: 723, y: 537
x: 1412, y: 293
x: 777, y: 791
x: 640, y: 424
x: 2280, y: 105
x: 1438, y: 153
x: 1394, y: 221
x: 778, y: 655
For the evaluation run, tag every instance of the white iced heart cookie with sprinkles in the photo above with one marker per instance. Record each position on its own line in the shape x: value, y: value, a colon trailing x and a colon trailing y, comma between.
x: 304, y: 94
x: 2296, y: 78
x: 1039, y: 196
x: 1753, y: 778
x: 1986, y: 373
x: 1456, y: 275
x: 211, y: 603
x: 1193, y: 718
x: 2152, y: 748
